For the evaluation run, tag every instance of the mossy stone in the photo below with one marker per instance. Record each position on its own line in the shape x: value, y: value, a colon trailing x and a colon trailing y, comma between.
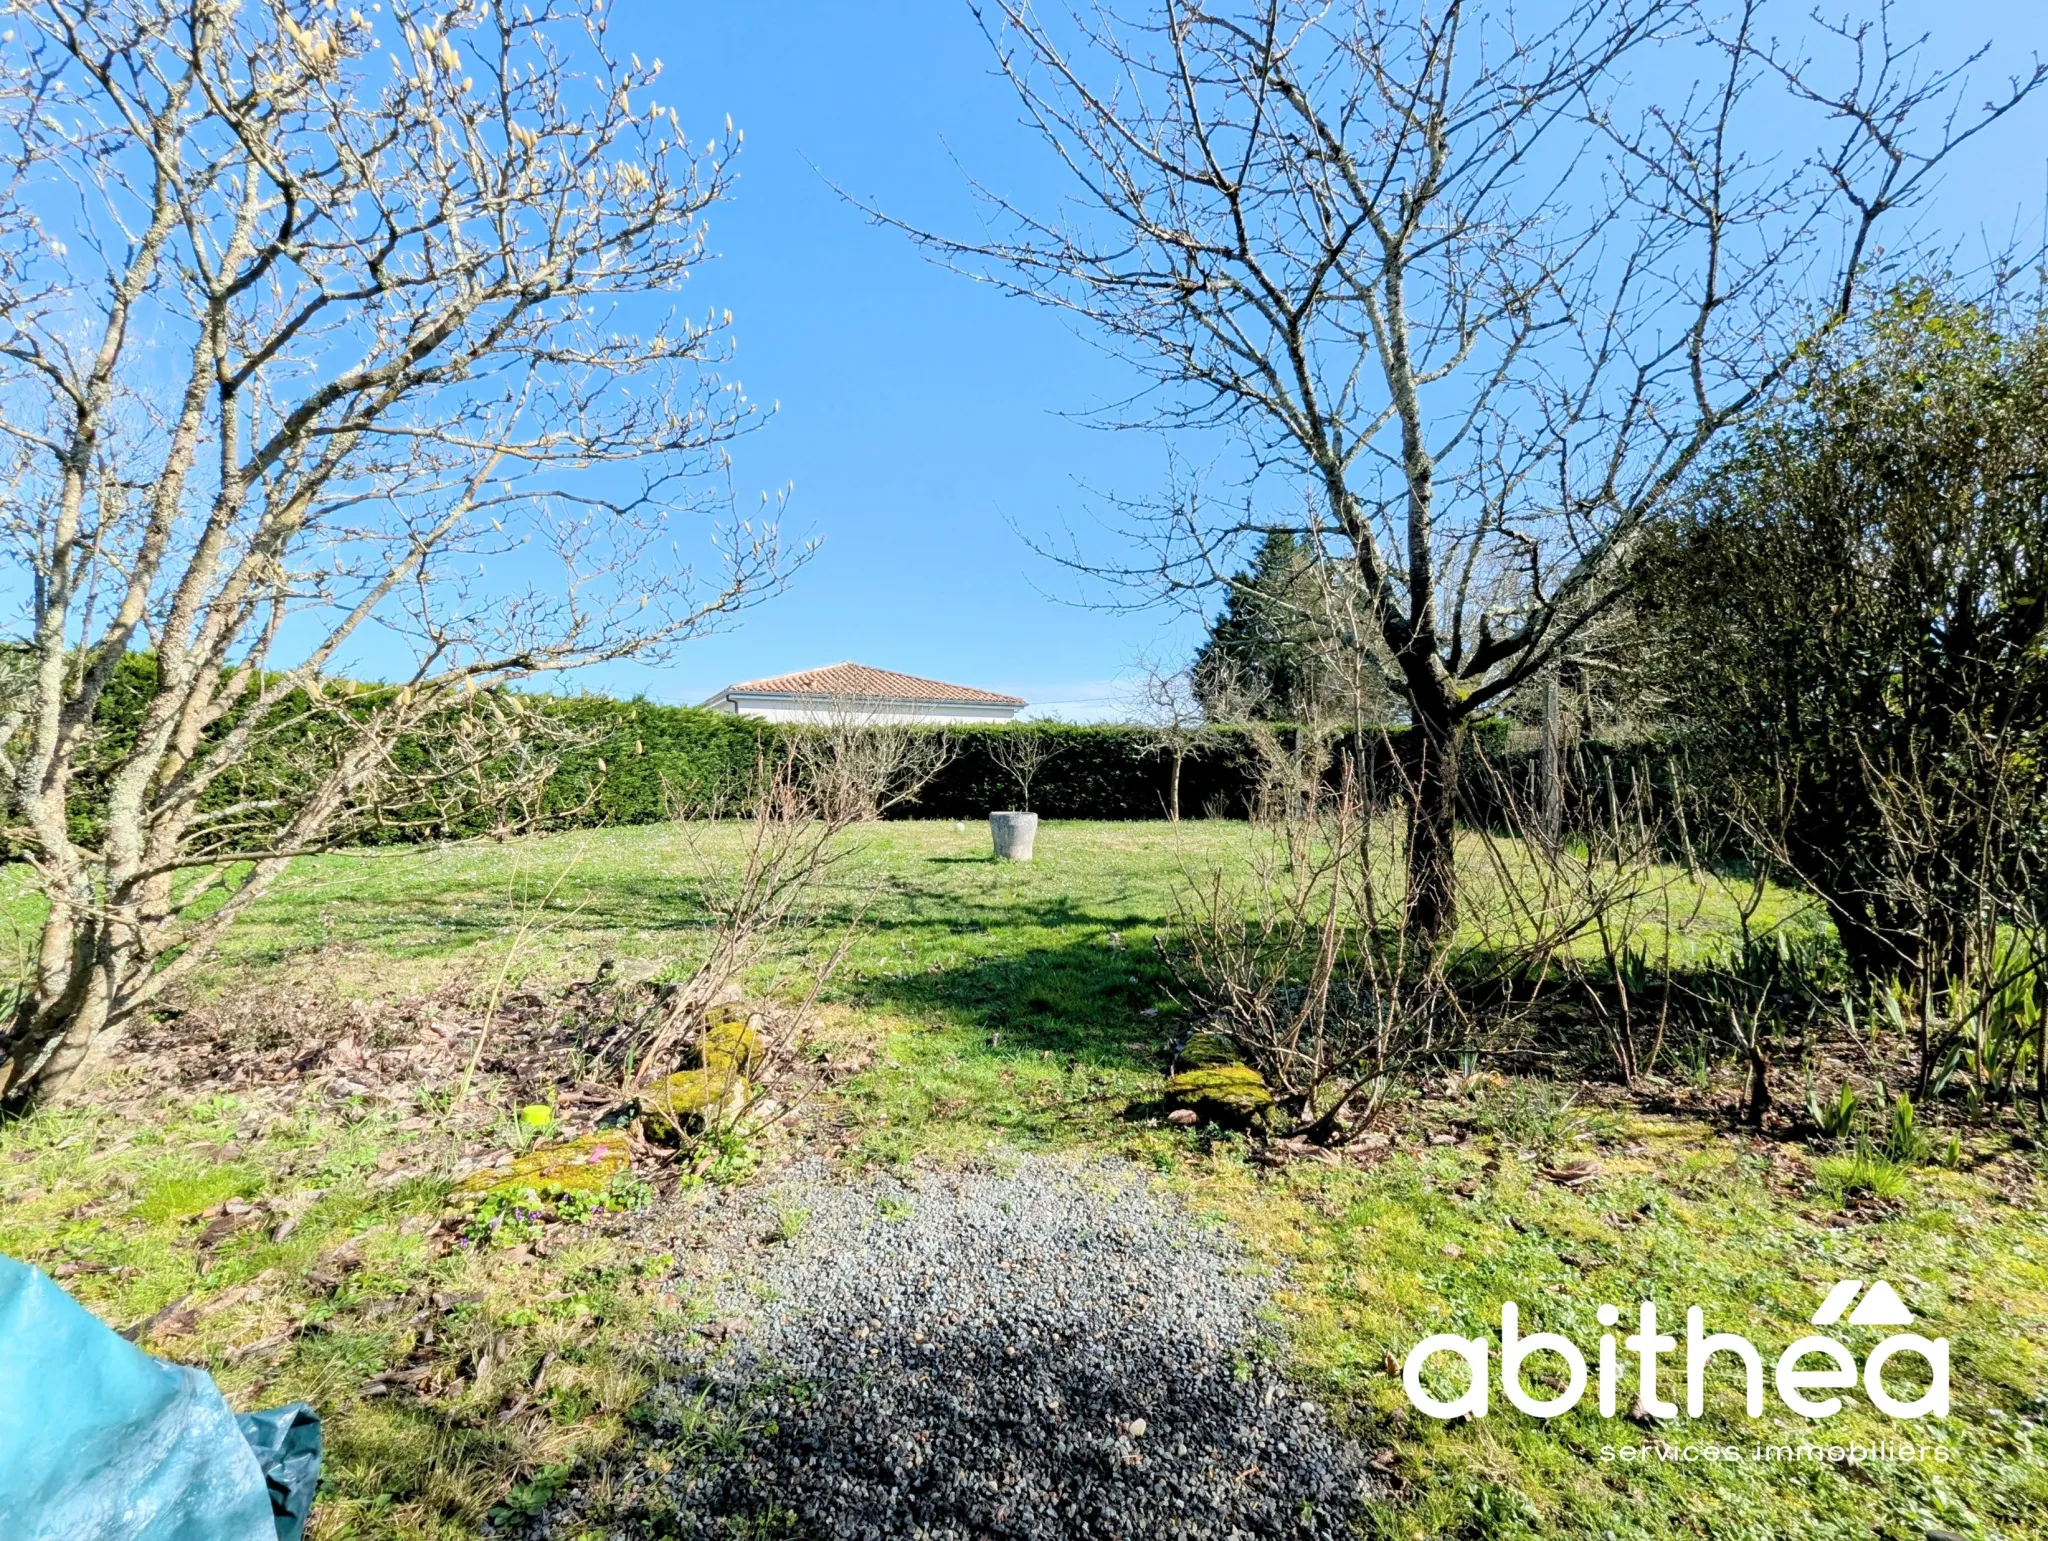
x: 694, y: 1097
x: 731, y: 1043
x: 586, y: 1164
x: 1225, y: 1094
x: 1204, y: 1050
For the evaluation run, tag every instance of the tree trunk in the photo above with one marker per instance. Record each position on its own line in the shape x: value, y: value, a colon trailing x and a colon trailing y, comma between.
x: 89, y: 978
x: 1173, y: 803
x: 1756, y: 1096
x: 1550, y: 766
x: 53, y: 1033
x: 1432, y: 827
x: 2040, y: 1056
x: 64, y: 1048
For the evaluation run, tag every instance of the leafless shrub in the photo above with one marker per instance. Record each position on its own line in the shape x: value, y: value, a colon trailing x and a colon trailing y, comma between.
x: 1962, y: 879
x: 861, y: 767
x: 810, y: 794
x: 1302, y: 963
x: 1957, y: 874
x: 1170, y: 708
x: 1265, y: 961
x: 1599, y: 912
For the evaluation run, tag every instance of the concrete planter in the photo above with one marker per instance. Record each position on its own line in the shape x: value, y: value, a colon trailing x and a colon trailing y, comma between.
x: 1013, y: 834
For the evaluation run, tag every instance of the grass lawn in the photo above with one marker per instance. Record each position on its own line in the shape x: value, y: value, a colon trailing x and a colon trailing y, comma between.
x: 931, y: 900
x: 1009, y: 1005
x: 294, y: 1250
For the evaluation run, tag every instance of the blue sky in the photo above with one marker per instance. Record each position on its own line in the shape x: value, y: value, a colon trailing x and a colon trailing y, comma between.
x: 928, y: 424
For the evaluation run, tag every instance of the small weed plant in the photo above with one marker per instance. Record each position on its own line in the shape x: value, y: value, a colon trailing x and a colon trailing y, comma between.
x: 1903, y: 1141
x: 515, y: 1219
x: 1835, y: 1119
x: 1541, y: 1118
x: 1861, y: 1174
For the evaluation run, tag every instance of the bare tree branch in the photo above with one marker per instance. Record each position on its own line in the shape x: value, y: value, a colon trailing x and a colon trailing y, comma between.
x: 1487, y: 281
x: 323, y: 333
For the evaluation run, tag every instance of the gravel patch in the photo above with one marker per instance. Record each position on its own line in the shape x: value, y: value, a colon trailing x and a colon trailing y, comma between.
x: 1053, y: 1352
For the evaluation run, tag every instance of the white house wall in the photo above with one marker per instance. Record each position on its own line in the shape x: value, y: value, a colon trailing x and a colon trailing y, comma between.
x: 798, y: 709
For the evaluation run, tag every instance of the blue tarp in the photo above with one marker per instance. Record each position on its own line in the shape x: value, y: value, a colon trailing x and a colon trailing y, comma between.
x: 101, y: 1442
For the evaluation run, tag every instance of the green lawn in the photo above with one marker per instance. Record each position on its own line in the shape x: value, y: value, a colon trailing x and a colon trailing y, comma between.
x: 930, y: 896
x: 1433, y: 1241
x: 1021, y: 1005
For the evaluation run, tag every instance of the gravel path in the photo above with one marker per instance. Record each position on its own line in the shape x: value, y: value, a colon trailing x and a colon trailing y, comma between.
x: 1055, y: 1352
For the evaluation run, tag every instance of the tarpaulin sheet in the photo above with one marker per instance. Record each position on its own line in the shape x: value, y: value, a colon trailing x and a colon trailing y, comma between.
x: 101, y: 1442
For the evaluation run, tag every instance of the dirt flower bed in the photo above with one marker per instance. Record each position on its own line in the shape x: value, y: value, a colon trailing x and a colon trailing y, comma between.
x: 281, y: 1187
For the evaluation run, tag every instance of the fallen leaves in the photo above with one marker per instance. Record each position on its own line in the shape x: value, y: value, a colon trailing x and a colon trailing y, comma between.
x: 385, y: 1382
x: 175, y: 1320
x: 268, y: 1344
x: 166, y: 1325
x: 226, y: 1218
x: 1281, y: 1152
x: 337, y: 1265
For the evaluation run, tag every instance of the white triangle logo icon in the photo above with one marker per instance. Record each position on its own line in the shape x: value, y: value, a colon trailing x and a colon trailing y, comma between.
x: 1838, y: 1301
x: 1881, y: 1308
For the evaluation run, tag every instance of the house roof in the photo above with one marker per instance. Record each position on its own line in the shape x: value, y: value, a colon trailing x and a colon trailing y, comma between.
x: 856, y: 681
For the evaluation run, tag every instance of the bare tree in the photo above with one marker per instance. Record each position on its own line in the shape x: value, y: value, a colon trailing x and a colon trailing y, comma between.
x: 862, y: 763
x: 318, y: 328
x: 1022, y: 749
x: 1173, y: 719
x: 1486, y: 285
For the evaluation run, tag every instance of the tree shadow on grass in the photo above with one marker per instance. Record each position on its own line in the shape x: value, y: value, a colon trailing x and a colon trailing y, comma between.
x: 1082, y: 993
x: 1074, y: 1001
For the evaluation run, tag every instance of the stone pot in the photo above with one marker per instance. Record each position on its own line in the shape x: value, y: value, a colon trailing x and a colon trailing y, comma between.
x: 1013, y: 834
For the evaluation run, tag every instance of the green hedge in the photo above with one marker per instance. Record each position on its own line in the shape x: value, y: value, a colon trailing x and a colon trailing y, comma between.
x: 644, y: 762
x: 657, y: 759
x: 1106, y: 772
x: 1119, y: 772
x: 639, y: 762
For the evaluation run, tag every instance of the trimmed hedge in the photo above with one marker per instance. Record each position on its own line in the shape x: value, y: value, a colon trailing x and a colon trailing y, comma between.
x: 642, y: 762
x: 1106, y: 772
x: 1119, y: 772
x: 657, y: 759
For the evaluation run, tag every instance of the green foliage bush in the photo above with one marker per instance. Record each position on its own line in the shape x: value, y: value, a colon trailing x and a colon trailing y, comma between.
x: 1846, y: 622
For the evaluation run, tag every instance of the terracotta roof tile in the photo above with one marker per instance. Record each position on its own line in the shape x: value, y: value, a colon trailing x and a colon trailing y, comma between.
x: 858, y: 682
